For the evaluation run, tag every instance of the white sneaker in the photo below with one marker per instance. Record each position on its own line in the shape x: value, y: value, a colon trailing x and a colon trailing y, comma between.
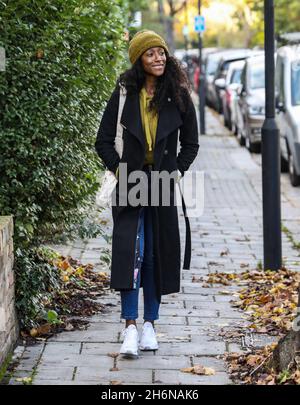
x: 131, y: 341
x: 148, y: 337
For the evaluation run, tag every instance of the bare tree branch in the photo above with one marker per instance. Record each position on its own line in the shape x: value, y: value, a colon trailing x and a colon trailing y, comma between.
x: 177, y: 10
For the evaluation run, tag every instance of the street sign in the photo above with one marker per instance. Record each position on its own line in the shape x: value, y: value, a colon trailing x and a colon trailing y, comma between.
x: 199, y: 23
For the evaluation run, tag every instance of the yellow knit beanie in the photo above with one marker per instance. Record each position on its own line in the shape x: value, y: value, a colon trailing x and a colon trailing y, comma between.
x: 142, y: 41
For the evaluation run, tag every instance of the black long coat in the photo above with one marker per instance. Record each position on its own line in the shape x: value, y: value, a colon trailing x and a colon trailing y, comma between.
x: 166, y: 235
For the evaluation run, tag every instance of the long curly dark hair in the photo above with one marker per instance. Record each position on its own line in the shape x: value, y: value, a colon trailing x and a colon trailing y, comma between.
x: 173, y: 83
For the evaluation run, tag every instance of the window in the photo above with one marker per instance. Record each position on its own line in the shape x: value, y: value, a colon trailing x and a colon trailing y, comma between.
x: 243, y: 77
x: 281, y: 82
x: 212, y: 65
x: 257, y: 77
x: 279, y: 67
x: 236, y: 76
x: 295, y: 82
x: 224, y: 69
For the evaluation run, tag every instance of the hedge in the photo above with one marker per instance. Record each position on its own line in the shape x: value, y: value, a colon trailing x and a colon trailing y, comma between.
x: 62, y: 59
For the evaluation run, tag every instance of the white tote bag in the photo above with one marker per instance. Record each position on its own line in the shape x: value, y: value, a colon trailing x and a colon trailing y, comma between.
x: 109, y: 180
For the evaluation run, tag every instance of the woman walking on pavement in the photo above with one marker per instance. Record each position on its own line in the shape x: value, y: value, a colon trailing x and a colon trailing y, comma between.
x: 146, y: 241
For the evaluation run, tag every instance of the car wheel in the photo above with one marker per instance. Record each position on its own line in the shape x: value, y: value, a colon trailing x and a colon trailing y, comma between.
x: 255, y: 147
x: 284, y: 165
x: 225, y: 121
x: 294, y: 177
x: 251, y: 146
x: 234, y: 129
x: 229, y: 122
x: 240, y: 137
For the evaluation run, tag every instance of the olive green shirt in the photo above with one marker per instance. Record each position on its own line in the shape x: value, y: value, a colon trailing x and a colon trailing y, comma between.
x: 149, y: 123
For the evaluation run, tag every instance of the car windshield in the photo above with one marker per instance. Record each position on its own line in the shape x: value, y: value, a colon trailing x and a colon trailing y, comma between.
x: 236, y: 76
x: 212, y: 65
x: 257, y: 77
x: 224, y: 69
x: 295, y: 82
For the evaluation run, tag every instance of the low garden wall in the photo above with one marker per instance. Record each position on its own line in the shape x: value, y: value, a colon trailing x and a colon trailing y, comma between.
x: 8, y: 318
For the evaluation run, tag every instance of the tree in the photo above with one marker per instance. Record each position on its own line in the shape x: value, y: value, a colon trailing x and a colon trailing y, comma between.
x: 287, y: 15
x: 167, y: 13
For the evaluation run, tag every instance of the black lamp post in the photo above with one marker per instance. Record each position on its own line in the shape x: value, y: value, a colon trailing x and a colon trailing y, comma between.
x: 202, y: 82
x: 271, y: 154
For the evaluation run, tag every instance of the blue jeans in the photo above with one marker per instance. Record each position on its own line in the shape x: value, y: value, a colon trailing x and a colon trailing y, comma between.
x: 144, y: 262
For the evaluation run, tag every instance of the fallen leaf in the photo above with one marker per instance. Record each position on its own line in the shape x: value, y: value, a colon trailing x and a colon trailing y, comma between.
x: 114, y: 382
x: 64, y: 264
x: 205, y: 285
x: 33, y: 332
x: 41, y: 330
x: 44, y: 329
x: 199, y: 370
x: 24, y: 380
x: 161, y: 334
x: 113, y: 355
x: 253, y: 360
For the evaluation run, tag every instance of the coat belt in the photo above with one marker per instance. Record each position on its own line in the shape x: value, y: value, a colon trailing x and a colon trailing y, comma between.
x: 188, y: 244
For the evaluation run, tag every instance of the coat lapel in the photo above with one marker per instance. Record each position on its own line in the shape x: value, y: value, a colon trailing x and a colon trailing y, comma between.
x: 131, y: 117
x: 169, y: 119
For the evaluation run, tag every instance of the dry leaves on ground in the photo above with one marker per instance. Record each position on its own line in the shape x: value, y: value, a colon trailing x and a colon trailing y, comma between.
x: 269, y: 298
x: 254, y: 368
x: 77, y: 297
x: 199, y: 370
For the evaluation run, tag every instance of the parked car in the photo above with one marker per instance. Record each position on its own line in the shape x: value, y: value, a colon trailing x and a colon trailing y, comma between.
x: 196, y: 72
x: 211, y: 65
x: 179, y: 54
x: 190, y: 59
x: 228, y: 92
x: 251, y: 103
x: 221, y: 72
x: 288, y: 109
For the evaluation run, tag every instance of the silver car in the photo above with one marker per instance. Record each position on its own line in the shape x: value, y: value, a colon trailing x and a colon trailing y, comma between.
x: 251, y: 103
x: 228, y: 93
x: 288, y: 109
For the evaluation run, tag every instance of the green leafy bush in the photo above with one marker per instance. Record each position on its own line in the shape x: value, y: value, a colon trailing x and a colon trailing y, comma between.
x: 36, y: 282
x: 62, y: 61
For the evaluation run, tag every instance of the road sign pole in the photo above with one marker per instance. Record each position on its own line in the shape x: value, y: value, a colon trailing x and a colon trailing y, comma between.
x: 202, y: 81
